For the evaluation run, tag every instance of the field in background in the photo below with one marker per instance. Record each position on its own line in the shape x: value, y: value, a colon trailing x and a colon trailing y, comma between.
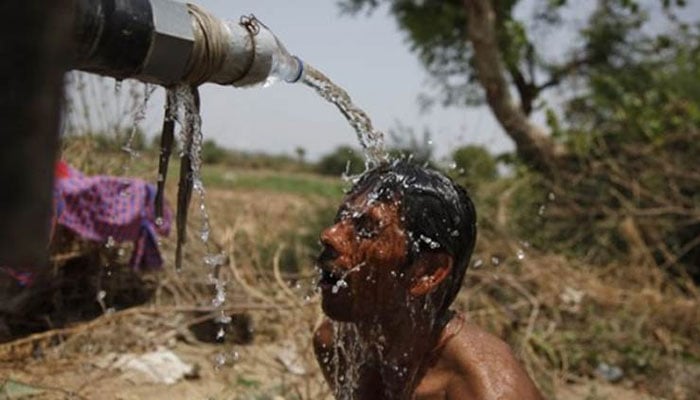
x: 620, y: 331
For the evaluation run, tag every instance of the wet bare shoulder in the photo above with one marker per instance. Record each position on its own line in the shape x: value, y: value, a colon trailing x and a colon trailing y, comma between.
x: 485, y: 367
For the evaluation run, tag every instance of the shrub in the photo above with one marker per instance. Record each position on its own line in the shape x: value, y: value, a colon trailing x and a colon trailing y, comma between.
x: 212, y: 153
x: 343, y: 159
x: 473, y: 165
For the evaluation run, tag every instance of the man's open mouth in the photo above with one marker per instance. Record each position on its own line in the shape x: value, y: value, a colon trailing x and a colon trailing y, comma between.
x: 328, y: 278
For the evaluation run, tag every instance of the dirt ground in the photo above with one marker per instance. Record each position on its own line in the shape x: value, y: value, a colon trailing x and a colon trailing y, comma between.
x: 257, y: 375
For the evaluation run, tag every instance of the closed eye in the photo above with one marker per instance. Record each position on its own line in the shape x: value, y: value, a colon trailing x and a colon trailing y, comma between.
x: 366, y: 227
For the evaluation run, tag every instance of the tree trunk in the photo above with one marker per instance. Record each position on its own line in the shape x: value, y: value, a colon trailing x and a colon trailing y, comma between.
x: 533, y: 145
x: 34, y: 55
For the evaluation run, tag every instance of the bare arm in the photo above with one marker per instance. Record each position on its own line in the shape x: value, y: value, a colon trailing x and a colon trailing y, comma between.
x: 486, y: 368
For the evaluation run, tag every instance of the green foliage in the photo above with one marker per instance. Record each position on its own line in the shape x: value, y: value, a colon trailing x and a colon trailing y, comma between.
x: 273, y: 181
x: 212, y: 153
x: 643, y: 100
x: 342, y: 160
x: 630, y: 117
x: 436, y: 30
x: 634, y: 134
x: 473, y: 165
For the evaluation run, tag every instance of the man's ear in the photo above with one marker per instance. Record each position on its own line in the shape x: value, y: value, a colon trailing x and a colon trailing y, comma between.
x: 429, y: 271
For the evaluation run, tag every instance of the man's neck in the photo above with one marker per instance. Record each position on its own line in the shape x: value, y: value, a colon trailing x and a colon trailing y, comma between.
x: 401, y: 345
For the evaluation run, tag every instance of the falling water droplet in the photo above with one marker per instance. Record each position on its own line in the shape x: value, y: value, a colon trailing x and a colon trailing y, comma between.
x: 110, y: 242
x: 520, y: 254
x: 220, y: 297
x: 495, y: 261
x: 220, y: 334
x: 551, y: 196
x: 478, y: 263
x: 541, y: 210
x: 339, y: 285
x: 223, y: 319
x: 215, y: 260
x: 219, y: 360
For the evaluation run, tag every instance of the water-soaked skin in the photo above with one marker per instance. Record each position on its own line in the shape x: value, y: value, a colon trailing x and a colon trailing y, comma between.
x: 404, y: 350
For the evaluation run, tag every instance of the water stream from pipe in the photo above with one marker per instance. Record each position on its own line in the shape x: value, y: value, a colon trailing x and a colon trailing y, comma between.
x: 370, y: 138
x: 185, y: 110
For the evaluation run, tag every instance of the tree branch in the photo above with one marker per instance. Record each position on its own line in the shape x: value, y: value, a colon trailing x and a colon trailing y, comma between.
x: 563, y: 71
x: 526, y: 90
x: 532, y: 143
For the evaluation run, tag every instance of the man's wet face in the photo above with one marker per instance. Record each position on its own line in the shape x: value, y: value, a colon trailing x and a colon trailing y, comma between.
x: 364, y: 252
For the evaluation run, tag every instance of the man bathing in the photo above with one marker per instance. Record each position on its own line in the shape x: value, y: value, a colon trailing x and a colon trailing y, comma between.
x: 391, y: 265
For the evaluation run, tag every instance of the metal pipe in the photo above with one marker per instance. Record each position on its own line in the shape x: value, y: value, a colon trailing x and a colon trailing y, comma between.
x: 168, y: 42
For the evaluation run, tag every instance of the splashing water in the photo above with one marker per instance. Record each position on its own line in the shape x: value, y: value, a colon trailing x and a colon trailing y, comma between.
x: 191, y: 133
x: 342, y: 283
x: 139, y: 116
x: 185, y: 110
x: 352, y: 350
x: 371, y: 139
x: 219, y: 361
x: 214, y: 262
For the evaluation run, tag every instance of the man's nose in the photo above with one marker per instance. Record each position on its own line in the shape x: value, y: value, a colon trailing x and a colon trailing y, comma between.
x: 334, y: 240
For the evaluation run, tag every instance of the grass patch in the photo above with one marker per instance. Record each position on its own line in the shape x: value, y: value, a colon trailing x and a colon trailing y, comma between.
x: 301, y: 184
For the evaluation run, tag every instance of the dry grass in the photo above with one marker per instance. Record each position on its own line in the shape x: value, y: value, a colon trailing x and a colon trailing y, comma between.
x: 563, y: 318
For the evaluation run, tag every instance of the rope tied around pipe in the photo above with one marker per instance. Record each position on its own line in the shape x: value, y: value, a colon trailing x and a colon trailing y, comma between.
x: 209, y: 50
x: 251, y: 24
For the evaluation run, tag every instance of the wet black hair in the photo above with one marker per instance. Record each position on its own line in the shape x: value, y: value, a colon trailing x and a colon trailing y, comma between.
x: 437, y: 214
